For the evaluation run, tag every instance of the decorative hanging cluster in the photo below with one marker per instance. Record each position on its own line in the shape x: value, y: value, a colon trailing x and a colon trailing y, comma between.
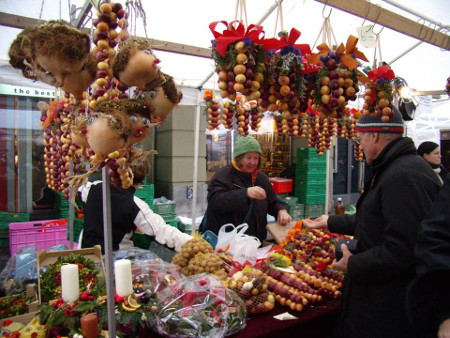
x: 99, y: 124
x: 337, y: 79
x: 379, y: 93
x: 240, y: 59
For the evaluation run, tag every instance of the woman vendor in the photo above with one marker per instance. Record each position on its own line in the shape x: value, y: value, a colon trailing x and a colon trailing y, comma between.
x: 240, y: 193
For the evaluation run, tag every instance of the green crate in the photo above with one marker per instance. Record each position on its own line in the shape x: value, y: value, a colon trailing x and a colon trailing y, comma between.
x: 12, y: 217
x: 4, y: 239
x: 145, y: 191
x: 78, y: 225
x: 311, y: 188
x: 61, y: 202
x: 164, y: 209
x: 148, y: 200
x: 314, y: 209
x: 141, y: 240
x: 172, y: 222
x: 288, y: 200
x: 296, y: 211
x: 310, y: 177
x: 311, y: 199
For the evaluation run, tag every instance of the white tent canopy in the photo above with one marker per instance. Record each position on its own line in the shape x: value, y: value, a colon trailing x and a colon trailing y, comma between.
x: 425, y: 68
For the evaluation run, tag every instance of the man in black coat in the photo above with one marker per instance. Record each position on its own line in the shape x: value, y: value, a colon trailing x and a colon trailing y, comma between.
x: 429, y: 294
x: 397, y: 197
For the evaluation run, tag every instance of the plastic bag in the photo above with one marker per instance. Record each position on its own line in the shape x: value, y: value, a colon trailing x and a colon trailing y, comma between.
x: 199, y: 306
x: 155, y: 276
x: 20, y: 270
x: 244, y: 248
x: 224, y: 237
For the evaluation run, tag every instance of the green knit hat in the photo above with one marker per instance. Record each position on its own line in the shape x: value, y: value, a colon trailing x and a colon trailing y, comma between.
x: 246, y: 144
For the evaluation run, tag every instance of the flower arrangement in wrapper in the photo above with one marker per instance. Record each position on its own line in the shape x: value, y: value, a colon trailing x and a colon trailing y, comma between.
x: 240, y: 59
x: 337, y: 79
x: 14, y: 305
x: 199, y: 306
x: 379, y: 93
x: 251, y: 285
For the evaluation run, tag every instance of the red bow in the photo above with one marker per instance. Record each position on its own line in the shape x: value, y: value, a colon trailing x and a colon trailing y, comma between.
x: 277, y: 44
x: 383, y: 72
x: 235, y: 33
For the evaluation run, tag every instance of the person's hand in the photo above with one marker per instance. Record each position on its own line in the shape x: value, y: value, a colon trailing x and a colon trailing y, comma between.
x: 283, y: 217
x: 343, y: 262
x: 256, y: 193
x: 444, y: 329
x: 318, y: 223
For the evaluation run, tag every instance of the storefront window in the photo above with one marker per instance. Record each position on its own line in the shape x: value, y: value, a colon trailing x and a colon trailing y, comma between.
x: 22, y: 174
x: 218, y: 150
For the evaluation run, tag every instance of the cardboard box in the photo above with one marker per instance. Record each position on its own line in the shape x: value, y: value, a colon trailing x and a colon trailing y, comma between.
x: 45, y: 258
x: 32, y: 308
x: 278, y: 231
x: 24, y: 319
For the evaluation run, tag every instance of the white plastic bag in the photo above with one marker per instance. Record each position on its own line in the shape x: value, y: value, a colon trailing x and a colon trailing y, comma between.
x: 244, y: 248
x: 225, y: 237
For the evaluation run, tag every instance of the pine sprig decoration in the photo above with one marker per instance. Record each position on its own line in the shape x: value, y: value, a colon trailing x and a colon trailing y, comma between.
x: 50, y: 279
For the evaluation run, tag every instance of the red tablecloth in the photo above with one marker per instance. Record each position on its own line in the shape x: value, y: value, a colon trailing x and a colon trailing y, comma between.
x: 314, y: 321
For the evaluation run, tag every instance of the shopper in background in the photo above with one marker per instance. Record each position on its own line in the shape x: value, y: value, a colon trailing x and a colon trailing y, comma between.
x: 240, y: 193
x: 128, y: 213
x: 429, y: 294
x: 396, y: 198
x: 431, y: 153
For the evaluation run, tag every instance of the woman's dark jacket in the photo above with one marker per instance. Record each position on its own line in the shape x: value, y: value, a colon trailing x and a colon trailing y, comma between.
x: 429, y: 294
x: 396, y: 199
x: 123, y: 213
x: 228, y: 202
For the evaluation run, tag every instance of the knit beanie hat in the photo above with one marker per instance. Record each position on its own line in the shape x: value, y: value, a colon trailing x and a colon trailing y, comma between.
x: 369, y: 123
x: 426, y: 147
x: 246, y: 144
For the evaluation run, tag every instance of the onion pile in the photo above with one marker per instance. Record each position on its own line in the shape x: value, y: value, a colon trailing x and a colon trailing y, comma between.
x: 335, y: 86
x: 110, y: 16
x: 213, y: 110
x: 229, y: 110
x: 241, y: 70
x: 378, y: 100
x: 255, y: 115
x: 242, y: 116
x: 58, y: 147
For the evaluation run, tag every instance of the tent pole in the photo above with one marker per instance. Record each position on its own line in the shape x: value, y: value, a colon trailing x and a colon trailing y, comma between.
x: 405, y: 52
x: 420, y: 15
x: 195, y: 179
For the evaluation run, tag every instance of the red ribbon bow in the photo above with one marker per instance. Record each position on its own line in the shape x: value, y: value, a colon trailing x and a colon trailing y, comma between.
x: 235, y: 32
x: 294, y: 34
x: 383, y: 72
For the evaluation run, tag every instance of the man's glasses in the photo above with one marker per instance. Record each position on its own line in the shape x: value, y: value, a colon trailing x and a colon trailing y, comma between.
x: 357, y: 140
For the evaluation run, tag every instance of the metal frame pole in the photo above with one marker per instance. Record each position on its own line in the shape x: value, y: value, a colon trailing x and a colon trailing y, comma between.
x: 106, y: 193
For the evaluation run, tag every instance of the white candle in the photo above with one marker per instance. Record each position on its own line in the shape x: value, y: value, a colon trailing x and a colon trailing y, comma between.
x: 124, y: 281
x: 70, y: 289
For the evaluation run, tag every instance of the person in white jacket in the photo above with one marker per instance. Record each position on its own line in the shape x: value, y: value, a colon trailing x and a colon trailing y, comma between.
x: 128, y: 213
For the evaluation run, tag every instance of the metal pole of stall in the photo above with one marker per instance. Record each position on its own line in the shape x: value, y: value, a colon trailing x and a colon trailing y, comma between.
x: 106, y: 190
x: 195, y: 178
x: 70, y: 219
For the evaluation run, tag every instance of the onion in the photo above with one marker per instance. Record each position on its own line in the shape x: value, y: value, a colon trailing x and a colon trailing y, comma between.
x: 116, y: 6
x: 104, y: 17
x: 120, y: 13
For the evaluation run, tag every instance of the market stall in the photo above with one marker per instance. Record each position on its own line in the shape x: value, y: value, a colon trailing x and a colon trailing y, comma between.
x: 110, y: 96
